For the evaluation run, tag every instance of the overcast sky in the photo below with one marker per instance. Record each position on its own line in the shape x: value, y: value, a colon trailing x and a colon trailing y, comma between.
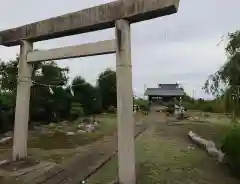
x: 177, y: 48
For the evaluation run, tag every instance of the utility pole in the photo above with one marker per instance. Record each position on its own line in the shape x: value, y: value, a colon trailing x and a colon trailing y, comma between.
x: 193, y: 95
x: 145, y: 87
x: 237, y: 96
x: 237, y: 101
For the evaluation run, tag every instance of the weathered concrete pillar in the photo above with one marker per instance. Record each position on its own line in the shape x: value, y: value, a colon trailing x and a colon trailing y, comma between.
x: 22, y: 103
x: 126, y: 149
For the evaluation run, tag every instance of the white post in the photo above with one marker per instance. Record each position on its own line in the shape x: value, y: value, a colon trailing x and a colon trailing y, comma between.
x: 126, y: 147
x: 22, y: 103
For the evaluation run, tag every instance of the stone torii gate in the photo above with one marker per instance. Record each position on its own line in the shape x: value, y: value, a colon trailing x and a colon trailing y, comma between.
x: 119, y: 14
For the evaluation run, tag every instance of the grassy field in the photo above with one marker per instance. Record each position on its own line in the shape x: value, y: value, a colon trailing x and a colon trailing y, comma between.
x: 213, y: 118
x: 62, y: 141
x: 58, y: 147
x: 166, y: 156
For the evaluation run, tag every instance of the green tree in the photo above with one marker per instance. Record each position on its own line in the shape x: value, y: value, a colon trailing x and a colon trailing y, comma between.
x: 49, y: 103
x: 86, y: 95
x: 7, y: 101
x: 228, y: 76
x: 51, y: 98
x: 226, y: 81
x: 8, y: 75
x: 143, y: 104
x: 107, y: 88
x: 44, y: 104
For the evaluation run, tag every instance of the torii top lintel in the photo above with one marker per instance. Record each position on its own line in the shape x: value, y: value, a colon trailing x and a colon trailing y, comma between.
x: 91, y: 19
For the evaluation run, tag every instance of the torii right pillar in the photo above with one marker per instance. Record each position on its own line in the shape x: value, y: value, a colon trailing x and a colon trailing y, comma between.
x: 126, y: 126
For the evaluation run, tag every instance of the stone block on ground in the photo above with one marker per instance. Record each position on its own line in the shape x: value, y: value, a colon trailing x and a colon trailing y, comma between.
x: 209, y: 146
x: 213, y: 152
x: 5, y: 139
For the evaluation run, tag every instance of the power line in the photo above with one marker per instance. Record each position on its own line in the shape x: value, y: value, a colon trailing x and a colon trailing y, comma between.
x: 26, y: 79
x: 75, y: 84
x: 222, y: 39
x: 60, y: 86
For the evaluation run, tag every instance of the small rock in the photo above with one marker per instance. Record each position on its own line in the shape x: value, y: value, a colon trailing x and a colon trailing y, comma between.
x: 96, y: 123
x: 90, y: 128
x: 80, y: 126
x: 52, y: 125
x: 81, y: 132
x: 191, y: 148
x: 35, y: 127
x: 70, y: 133
x: 59, y: 131
x: 139, y: 123
x: 8, y: 134
x: 4, y: 162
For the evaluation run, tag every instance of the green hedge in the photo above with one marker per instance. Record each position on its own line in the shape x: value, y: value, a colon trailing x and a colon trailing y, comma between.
x: 231, y: 148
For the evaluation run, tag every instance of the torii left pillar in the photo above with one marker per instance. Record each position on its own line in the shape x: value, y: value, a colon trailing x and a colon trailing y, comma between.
x: 22, y: 103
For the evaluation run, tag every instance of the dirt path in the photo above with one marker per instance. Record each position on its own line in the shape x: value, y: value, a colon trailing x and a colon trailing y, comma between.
x: 167, y: 156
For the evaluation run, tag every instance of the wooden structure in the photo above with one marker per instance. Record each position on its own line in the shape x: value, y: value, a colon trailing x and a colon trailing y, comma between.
x: 164, y: 95
x: 165, y: 92
x: 119, y: 14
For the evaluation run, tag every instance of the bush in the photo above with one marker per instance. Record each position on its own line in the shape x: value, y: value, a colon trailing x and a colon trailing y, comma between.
x: 231, y: 148
x: 143, y: 104
x: 76, y: 111
x: 170, y: 109
x: 112, y: 110
x: 207, y: 108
